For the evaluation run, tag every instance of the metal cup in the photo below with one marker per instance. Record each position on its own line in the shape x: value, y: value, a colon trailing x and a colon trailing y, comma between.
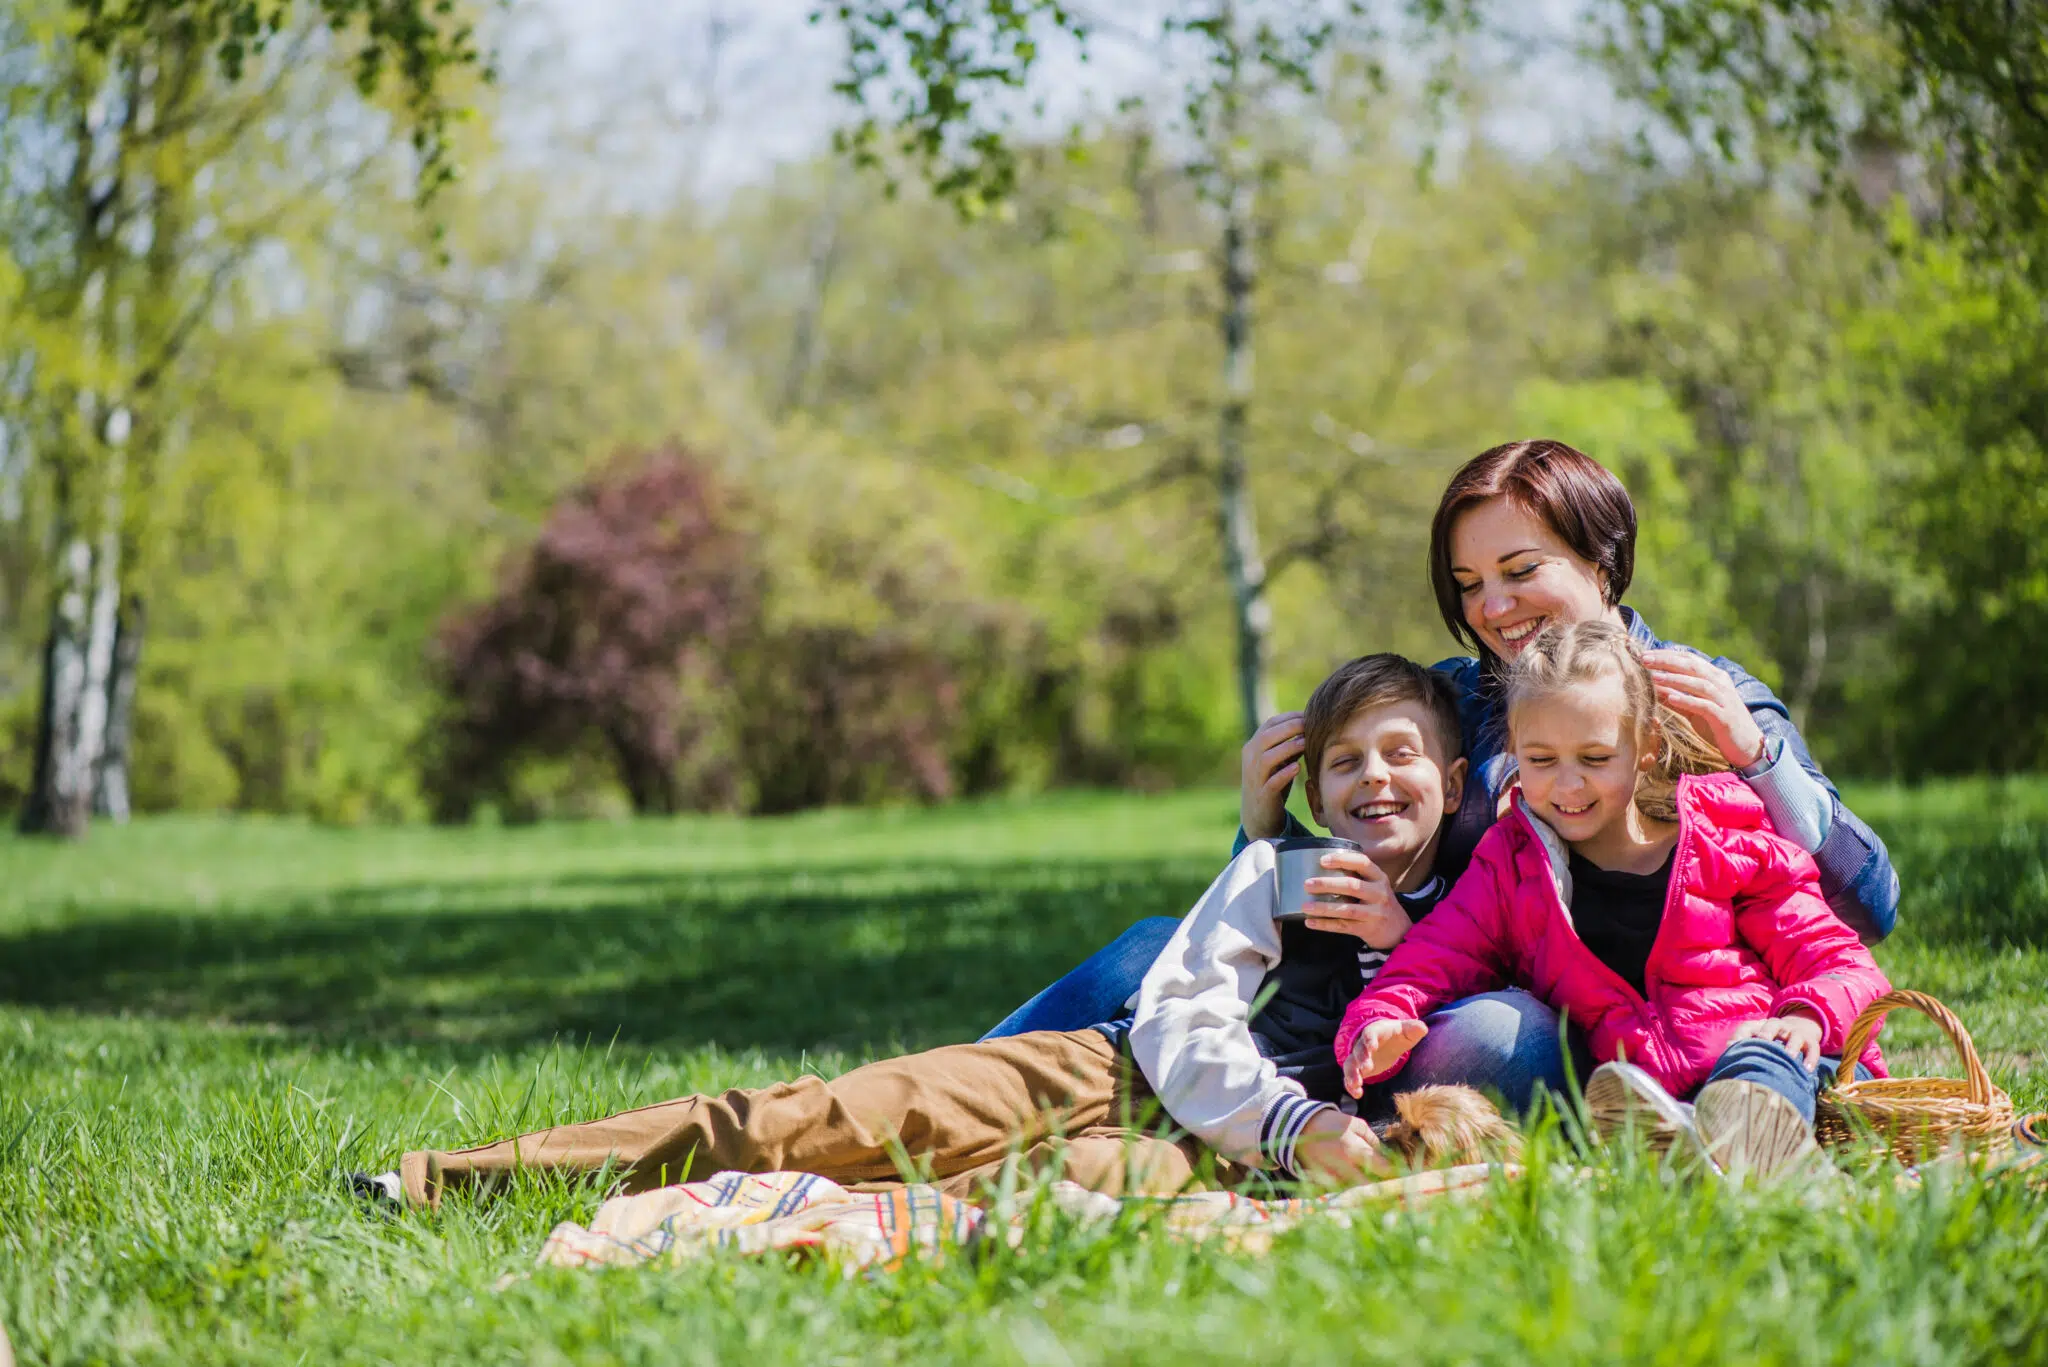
x: 1297, y: 860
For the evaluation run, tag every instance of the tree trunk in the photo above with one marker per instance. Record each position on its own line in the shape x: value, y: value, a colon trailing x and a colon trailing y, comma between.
x: 77, y: 659
x: 1243, y: 566
x: 806, y: 335
x: 110, y: 777
x: 1800, y: 697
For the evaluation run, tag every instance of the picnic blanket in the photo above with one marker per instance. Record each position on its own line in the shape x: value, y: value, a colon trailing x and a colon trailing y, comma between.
x: 772, y: 1212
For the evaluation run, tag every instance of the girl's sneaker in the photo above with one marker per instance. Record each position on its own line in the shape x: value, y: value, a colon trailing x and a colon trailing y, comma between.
x: 1748, y: 1128
x: 1623, y: 1099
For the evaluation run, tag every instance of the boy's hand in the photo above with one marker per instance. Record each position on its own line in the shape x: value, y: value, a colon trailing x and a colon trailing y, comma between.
x: 1340, y: 1147
x: 1379, y: 1047
x: 1372, y: 912
x: 1271, y: 759
x: 1799, y: 1032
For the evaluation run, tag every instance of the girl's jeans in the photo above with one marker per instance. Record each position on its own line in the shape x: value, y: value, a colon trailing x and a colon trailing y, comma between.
x: 1507, y: 1041
x: 1771, y: 1064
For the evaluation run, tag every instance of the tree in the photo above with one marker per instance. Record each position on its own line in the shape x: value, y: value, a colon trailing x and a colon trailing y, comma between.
x: 1962, y: 86
x: 935, y: 72
x: 116, y: 123
x: 431, y: 43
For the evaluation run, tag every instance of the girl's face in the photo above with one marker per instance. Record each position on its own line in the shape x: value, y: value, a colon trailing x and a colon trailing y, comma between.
x: 1580, y: 757
x: 1516, y: 576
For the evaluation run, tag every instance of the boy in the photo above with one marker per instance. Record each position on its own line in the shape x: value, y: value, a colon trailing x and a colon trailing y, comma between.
x: 1384, y: 770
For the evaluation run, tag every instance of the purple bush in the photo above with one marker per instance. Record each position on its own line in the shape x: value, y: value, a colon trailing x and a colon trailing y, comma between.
x: 634, y: 627
x: 639, y: 579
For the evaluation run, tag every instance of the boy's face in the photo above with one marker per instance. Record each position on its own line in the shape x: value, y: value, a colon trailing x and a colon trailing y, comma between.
x: 1385, y: 783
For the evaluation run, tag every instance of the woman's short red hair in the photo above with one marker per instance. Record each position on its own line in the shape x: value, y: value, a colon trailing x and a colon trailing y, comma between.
x: 1576, y: 496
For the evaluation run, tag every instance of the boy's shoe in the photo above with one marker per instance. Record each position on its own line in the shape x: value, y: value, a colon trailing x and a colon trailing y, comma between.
x: 1748, y: 1128
x: 378, y: 1189
x: 1622, y: 1099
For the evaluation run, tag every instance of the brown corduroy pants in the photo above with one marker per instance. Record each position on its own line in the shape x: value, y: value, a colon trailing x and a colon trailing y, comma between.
x: 957, y: 1114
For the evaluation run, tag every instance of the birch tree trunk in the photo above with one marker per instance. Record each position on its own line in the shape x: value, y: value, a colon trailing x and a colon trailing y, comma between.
x: 77, y: 660
x: 1243, y: 565
x: 82, y: 442
x: 110, y: 776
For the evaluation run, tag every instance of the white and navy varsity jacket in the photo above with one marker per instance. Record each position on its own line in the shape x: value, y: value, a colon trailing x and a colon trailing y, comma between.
x: 1235, y: 1083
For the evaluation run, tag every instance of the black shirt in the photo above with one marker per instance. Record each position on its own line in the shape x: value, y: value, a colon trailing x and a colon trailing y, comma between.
x: 1319, y: 974
x: 1617, y: 914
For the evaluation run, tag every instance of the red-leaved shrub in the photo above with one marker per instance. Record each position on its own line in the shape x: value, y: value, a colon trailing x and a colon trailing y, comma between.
x: 639, y: 579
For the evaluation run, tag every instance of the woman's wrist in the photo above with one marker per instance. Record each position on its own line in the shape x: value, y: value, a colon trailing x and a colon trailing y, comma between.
x: 1760, y: 761
x: 1747, y: 752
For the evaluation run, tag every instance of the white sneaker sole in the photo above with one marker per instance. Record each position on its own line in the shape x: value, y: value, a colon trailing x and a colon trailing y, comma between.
x: 1622, y: 1099
x: 1748, y: 1128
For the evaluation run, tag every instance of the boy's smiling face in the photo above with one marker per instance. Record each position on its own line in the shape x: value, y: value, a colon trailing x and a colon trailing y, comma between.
x: 1385, y: 783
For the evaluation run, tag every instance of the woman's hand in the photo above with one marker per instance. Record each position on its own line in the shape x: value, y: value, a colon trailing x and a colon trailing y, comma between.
x: 1379, y: 1047
x: 1799, y: 1032
x: 1271, y: 759
x: 1697, y: 689
x: 1340, y: 1147
x: 1371, y: 911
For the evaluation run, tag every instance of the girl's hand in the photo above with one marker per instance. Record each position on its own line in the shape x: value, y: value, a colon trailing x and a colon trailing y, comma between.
x: 1372, y: 914
x: 1698, y: 690
x: 1379, y: 1047
x: 1799, y: 1032
x: 1272, y: 757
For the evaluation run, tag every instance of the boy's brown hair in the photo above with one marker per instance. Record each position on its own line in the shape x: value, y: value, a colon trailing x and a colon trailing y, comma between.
x: 1375, y: 681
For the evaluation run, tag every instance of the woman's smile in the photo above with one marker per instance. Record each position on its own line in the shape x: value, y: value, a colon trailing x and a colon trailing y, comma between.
x: 1516, y: 576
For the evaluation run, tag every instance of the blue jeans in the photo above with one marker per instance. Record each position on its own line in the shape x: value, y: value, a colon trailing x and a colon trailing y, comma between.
x: 1771, y: 1064
x: 1507, y: 1041
x: 1095, y: 991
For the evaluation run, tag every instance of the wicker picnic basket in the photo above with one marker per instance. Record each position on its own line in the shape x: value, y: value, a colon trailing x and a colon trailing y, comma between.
x: 1917, y: 1117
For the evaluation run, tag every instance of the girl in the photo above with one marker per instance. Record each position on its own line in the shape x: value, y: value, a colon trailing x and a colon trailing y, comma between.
x: 1639, y: 889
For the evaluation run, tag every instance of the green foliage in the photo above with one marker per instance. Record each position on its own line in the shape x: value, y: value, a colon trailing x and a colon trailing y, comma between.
x: 430, y: 43
x: 1960, y: 84
x: 1965, y: 357
x: 206, y: 1022
x: 995, y: 438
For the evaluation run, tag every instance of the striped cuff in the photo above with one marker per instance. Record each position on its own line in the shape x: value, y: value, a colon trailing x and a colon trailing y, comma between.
x: 1286, y: 1118
x: 1799, y: 807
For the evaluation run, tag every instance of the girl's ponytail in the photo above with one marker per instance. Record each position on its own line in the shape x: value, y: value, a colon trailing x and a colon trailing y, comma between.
x: 1562, y: 656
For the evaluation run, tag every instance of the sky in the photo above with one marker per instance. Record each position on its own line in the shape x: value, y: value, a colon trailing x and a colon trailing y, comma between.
x: 652, y: 97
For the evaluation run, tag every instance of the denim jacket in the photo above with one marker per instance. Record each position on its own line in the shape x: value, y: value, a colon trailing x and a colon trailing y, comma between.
x: 1856, y: 873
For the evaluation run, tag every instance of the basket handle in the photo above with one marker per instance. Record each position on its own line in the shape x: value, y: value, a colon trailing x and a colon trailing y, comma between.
x: 1866, y: 1023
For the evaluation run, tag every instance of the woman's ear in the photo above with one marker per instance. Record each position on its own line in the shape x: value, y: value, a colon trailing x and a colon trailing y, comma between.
x: 1454, y: 784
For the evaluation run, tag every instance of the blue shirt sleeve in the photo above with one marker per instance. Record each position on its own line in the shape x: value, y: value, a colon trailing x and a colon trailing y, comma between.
x: 1856, y: 874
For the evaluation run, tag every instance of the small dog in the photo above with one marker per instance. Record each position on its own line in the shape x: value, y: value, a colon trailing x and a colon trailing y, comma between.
x: 1441, y: 1127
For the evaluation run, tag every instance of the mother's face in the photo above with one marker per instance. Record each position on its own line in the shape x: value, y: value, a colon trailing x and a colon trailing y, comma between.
x: 1516, y: 576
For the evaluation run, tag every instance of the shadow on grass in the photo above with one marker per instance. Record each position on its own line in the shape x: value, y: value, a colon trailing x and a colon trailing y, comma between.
x: 917, y: 954
x: 849, y: 956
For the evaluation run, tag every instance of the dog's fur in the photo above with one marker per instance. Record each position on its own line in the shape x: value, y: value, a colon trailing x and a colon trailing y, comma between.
x: 1447, y: 1126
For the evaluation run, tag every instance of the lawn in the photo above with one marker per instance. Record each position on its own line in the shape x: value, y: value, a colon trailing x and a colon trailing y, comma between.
x: 203, y: 1022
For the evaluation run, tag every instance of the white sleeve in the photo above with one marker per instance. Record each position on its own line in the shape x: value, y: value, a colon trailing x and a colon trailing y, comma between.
x: 1192, y: 1038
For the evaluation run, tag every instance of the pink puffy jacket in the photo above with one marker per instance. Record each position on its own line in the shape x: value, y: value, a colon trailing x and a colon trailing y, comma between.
x: 1745, y: 935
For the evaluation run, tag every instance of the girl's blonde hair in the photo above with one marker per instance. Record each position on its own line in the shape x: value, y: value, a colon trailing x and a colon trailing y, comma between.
x: 1565, y: 655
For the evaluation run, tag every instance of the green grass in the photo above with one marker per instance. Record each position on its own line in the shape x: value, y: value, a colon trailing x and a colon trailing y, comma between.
x: 201, y: 1022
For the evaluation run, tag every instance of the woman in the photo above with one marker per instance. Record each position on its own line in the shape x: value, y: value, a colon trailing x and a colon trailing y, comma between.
x: 1529, y: 534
